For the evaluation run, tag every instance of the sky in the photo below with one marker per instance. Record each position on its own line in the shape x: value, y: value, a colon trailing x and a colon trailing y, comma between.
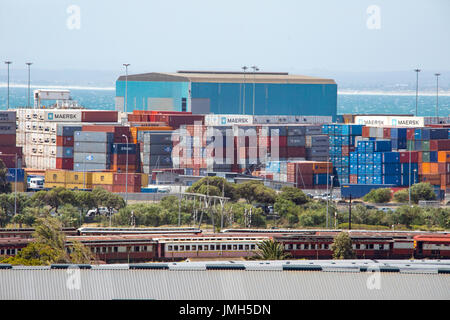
x: 296, y: 36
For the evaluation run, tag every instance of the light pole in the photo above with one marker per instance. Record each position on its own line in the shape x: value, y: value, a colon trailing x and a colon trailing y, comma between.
x: 417, y: 86
x: 409, y: 178
x: 15, y: 188
x: 327, y: 195
x: 126, y: 176
x: 8, y: 63
x: 243, y: 106
x: 28, y: 95
x: 126, y: 85
x: 437, y: 95
x: 255, y: 69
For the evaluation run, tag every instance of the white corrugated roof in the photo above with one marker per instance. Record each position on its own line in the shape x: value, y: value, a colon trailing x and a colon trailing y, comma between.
x: 264, y: 280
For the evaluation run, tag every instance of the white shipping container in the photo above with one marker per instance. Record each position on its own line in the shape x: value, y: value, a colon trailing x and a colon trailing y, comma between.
x: 227, y: 119
x: 396, y: 121
x: 63, y: 115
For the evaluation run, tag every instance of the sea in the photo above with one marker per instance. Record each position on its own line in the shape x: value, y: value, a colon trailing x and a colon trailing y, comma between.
x: 349, y: 101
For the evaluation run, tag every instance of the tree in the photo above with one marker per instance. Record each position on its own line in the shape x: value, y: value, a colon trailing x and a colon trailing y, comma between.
x: 294, y: 195
x: 419, y: 191
x: 270, y: 250
x: 201, y: 186
x: 342, y: 247
x: 402, y: 196
x: 381, y: 195
x: 256, y: 192
x: 84, y: 201
x: 5, y: 186
x: 422, y: 191
x: 80, y: 254
x: 409, y: 215
x: 69, y: 216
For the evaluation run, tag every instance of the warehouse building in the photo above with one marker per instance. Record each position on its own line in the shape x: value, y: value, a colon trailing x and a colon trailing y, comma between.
x: 233, y: 280
x: 203, y: 92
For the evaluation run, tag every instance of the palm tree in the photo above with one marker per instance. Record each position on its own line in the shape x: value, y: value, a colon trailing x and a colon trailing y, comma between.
x: 270, y: 250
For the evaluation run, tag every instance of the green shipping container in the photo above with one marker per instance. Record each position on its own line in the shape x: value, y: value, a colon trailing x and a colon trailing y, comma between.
x: 426, y: 156
x: 410, y: 145
x: 425, y: 145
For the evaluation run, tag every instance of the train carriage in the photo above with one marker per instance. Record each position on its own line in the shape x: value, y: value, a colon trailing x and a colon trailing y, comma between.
x: 208, y: 247
x: 432, y: 246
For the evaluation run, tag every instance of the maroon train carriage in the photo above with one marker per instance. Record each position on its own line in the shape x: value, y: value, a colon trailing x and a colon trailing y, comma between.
x: 214, y: 246
x: 101, y: 231
x: 28, y: 232
x: 432, y: 246
x: 11, y: 246
x: 118, y: 248
x: 319, y: 247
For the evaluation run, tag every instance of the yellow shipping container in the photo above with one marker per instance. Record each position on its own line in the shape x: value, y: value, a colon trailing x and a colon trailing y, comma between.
x: 78, y: 177
x: 55, y: 176
x: 144, y: 180
x: 18, y: 187
x: 51, y: 185
x: 78, y: 186
x: 102, y: 177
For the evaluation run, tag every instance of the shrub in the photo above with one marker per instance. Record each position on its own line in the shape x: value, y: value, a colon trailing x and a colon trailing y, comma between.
x: 378, y: 196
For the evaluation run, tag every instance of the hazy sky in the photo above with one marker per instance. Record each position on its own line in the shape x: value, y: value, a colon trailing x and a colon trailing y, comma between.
x: 282, y: 35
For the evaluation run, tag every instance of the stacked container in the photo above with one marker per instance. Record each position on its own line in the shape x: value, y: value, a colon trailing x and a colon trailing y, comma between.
x: 92, y: 150
x: 309, y: 174
x: 156, y: 150
x: 342, y: 140
x: 10, y: 154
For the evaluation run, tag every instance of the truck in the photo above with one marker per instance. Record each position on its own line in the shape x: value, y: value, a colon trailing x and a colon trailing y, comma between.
x: 35, y: 183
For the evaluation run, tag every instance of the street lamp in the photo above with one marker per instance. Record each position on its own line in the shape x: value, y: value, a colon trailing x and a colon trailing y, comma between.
x: 255, y: 69
x: 28, y: 95
x: 8, y: 63
x: 126, y: 176
x: 437, y: 95
x: 244, y: 68
x: 417, y: 87
x: 126, y: 85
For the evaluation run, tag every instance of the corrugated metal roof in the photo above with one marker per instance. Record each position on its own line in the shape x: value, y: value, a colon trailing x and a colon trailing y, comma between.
x: 228, y: 77
x: 265, y: 280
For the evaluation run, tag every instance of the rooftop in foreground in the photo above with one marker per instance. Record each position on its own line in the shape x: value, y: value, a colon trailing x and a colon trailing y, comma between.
x: 228, y: 77
x: 233, y: 280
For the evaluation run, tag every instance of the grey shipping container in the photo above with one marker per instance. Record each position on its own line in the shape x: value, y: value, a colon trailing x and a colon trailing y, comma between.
x: 64, y: 152
x: 319, y: 152
x: 296, y: 141
x: 317, y: 158
x: 88, y: 166
x: 296, y: 130
x: 277, y: 130
x: 98, y: 147
x: 91, y: 157
x: 155, y: 138
x: 319, y: 140
x: 89, y: 136
x: 7, y: 127
x: 65, y: 130
x: 313, y: 130
x: 8, y: 116
x: 160, y: 149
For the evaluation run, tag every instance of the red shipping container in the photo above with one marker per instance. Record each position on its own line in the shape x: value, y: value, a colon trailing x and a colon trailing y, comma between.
x: 11, y: 150
x: 445, y: 180
x: 434, y: 179
x: 386, y: 133
x: 8, y: 140
x: 366, y: 132
x: 354, y: 178
x: 404, y: 156
x: 64, y: 163
x: 99, y: 116
x: 64, y: 141
x: 410, y: 134
x: 440, y: 145
x: 10, y: 160
x: 444, y: 168
x: 119, y: 159
x: 122, y: 178
x: 296, y: 152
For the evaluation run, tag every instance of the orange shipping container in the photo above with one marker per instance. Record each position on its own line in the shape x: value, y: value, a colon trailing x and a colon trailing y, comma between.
x: 444, y: 156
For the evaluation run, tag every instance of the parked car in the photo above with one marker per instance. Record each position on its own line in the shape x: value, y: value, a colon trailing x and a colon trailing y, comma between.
x: 103, y: 211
